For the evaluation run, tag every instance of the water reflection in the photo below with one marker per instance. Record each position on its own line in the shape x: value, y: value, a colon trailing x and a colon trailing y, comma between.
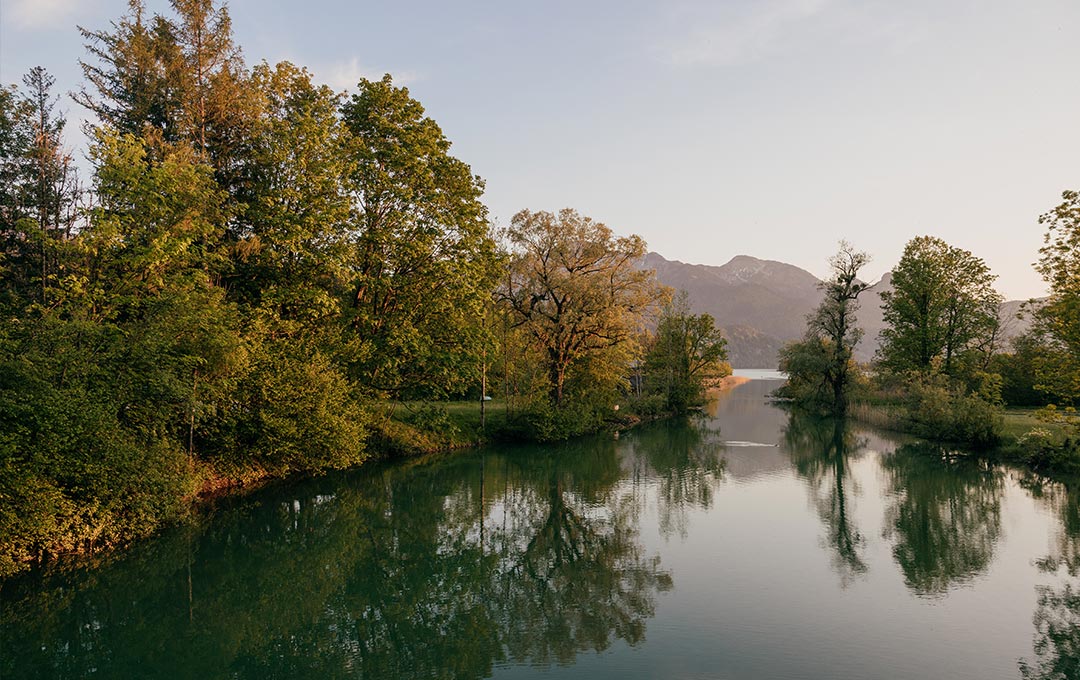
x: 684, y: 459
x: 437, y: 570
x: 506, y: 562
x: 945, y: 517
x: 1057, y: 611
x: 821, y: 451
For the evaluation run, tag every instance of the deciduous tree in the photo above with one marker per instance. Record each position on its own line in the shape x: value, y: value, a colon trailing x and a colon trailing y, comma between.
x: 687, y: 351
x: 942, y: 309
x: 820, y: 367
x: 1058, y: 320
x: 424, y: 259
x: 575, y: 286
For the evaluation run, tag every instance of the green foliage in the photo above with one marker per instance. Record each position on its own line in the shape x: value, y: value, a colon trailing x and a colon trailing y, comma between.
x: 433, y: 418
x: 159, y: 222
x: 1042, y: 450
x: 545, y: 422
x: 176, y: 80
x: 686, y: 353
x: 1019, y: 370
x: 82, y: 461
x: 573, y: 287
x: 293, y: 410
x: 293, y: 237
x: 939, y: 409
x: 650, y: 405
x: 39, y: 192
x: 821, y: 368
x: 942, y: 314
x: 806, y: 362
x: 424, y: 260
x: 1057, y: 320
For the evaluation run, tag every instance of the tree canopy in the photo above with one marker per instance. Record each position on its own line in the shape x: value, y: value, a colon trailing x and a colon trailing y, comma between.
x: 942, y: 312
x: 576, y: 289
x: 820, y: 367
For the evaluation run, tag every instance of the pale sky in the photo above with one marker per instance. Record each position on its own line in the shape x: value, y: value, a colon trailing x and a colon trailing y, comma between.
x: 771, y: 128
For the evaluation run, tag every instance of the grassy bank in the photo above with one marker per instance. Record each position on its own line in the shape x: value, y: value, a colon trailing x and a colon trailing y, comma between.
x: 1020, y: 437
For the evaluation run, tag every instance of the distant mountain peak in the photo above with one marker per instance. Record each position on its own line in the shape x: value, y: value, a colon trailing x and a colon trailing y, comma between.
x: 762, y: 304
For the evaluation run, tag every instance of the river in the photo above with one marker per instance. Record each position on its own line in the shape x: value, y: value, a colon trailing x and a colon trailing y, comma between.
x: 743, y: 543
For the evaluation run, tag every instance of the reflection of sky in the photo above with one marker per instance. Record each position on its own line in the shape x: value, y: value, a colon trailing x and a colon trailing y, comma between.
x: 778, y: 570
x: 756, y: 595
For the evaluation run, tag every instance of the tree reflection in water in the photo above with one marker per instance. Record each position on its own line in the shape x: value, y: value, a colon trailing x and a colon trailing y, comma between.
x: 684, y: 457
x: 439, y: 569
x: 945, y: 517
x: 821, y: 450
x: 1057, y: 609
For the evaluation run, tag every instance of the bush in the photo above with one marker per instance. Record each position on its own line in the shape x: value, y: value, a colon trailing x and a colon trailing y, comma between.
x: 650, y: 405
x: 937, y: 409
x: 292, y: 412
x: 544, y: 422
x: 433, y: 418
x: 1041, y: 450
x: 72, y: 477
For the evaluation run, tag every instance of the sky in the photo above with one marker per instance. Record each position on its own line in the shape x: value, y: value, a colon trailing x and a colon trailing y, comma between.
x: 771, y: 128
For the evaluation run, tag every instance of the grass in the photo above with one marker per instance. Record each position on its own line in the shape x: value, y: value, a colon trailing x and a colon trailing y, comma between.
x: 1019, y: 422
x: 466, y: 415
x: 424, y: 427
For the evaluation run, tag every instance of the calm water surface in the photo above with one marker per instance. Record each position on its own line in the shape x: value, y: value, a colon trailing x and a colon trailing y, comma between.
x: 743, y: 544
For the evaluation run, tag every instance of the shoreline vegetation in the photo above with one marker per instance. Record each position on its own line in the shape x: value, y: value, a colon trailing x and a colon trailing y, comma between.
x: 263, y: 278
x: 942, y: 370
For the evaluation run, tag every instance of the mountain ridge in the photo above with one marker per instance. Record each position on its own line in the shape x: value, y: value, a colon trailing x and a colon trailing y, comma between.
x: 760, y: 305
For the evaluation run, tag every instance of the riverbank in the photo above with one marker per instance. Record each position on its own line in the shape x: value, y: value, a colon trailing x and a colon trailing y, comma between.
x: 1021, y: 438
x: 299, y: 576
x: 401, y: 431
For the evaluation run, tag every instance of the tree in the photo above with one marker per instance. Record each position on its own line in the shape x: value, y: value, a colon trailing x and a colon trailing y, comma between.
x: 39, y: 198
x: 820, y: 367
x: 293, y: 249
x: 177, y: 80
x: 806, y: 362
x: 687, y: 351
x: 424, y: 260
x: 134, y: 77
x: 16, y: 256
x: 1057, y: 321
x: 834, y: 320
x: 943, y: 309
x: 575, y: 286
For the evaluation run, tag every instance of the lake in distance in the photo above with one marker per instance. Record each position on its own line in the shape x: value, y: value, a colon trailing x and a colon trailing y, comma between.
x: 742, y: 543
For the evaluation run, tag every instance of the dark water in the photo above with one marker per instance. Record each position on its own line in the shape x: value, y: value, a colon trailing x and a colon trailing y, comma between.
x: 740, y: 545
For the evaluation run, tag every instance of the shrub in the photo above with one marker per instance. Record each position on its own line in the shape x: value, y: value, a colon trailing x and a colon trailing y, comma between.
x: 937, y: 409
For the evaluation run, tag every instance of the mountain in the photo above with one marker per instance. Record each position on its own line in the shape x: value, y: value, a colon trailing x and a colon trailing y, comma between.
x: 762, y: 304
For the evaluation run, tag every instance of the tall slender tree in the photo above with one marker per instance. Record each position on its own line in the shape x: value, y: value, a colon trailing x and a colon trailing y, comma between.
x: 820, y: 367
x: 834, y: 320
x: 181, y: 79
x: 41, y: 193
